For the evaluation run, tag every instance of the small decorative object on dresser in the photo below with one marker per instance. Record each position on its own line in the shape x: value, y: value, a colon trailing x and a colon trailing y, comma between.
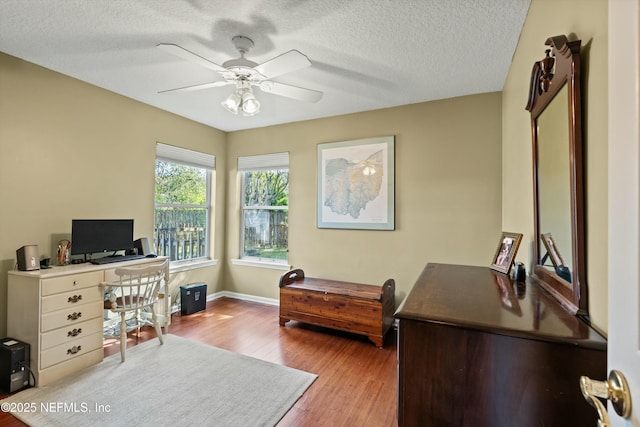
x: 506, y: 252
x: 351, y: 307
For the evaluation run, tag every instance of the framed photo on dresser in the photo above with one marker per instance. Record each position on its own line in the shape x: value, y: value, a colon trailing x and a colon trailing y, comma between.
x: 506, y: 252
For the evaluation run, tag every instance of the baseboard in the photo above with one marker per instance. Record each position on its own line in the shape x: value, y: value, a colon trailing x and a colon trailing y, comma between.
x: 245, y: 297
x: 175, y: 308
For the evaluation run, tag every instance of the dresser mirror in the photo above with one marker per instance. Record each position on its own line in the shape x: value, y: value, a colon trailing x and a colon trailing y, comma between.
x: 556, y: 127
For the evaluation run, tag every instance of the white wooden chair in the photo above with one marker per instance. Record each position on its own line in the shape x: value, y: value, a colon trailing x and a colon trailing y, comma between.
x: 137, y: 288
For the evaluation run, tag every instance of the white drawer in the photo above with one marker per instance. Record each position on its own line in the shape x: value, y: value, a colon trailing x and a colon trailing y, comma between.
x: 72, y: 299
x: 60, y: 370
x: 110, y: 274
x: 63, y: 336
x: 69, y: 350
x: 72, y: 282
x: 71, y: 316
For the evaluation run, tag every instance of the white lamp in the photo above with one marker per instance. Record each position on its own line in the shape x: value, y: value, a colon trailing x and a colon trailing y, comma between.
x: 242, y: 99
x: 250, y: 104
x: 232, y: 103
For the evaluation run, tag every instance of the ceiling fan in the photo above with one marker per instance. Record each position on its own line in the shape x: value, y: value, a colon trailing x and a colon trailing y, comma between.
x: 244, y: 74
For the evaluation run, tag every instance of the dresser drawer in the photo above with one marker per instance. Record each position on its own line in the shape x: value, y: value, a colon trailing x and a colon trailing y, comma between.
x: 72, y: 282
x: 72, y: 299
x: 70, y: 350
x: 62, y: 336
x: 110, y: 273
x: 71, y: 316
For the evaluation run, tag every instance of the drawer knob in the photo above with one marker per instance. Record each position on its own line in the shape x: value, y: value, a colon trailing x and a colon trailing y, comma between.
x: 75, y: 299
x: 74, y: 349
x: 74, y: 316
x: 74, y: 333
x: 75, y: 282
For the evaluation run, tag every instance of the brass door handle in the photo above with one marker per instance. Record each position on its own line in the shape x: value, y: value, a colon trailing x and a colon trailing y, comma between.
x: 615, y: 389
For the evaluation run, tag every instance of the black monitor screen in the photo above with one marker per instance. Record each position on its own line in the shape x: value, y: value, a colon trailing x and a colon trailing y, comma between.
x: 90, y: 236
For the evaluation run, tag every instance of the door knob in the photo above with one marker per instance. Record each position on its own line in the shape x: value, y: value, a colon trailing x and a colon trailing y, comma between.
x: 615, y: 389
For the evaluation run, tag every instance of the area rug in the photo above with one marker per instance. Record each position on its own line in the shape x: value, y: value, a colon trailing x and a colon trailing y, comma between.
x: 182, y: 382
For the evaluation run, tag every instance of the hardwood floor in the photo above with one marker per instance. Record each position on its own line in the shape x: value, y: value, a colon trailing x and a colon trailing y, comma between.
x: 356, y: 384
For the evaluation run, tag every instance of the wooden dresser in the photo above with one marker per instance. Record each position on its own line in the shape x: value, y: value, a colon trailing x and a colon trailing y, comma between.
x: 476, y: 349
x: 59, y: 312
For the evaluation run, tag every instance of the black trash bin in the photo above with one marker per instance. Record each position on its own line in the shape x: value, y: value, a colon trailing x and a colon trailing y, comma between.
x: 193, y: 298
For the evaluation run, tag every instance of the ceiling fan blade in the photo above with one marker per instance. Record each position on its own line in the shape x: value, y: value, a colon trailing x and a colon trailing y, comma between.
x: 199, y: 87
x: 183, y: 53
x: 289, y: 91
x: 285, y: 63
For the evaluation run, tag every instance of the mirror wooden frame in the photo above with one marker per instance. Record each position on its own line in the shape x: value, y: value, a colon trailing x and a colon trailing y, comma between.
x: 560, y: 67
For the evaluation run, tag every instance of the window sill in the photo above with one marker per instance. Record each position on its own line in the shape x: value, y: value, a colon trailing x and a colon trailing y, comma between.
x: 178, y: 266
x: 261, y: 264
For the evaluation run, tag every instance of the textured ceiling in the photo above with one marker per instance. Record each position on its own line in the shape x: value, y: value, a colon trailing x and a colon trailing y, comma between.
x: 365, y: 54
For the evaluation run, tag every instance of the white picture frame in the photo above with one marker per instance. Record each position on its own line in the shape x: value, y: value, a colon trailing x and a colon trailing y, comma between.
x: 356, y: 184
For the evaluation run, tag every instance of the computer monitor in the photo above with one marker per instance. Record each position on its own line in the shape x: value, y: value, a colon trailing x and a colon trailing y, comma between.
x: 90, y: 236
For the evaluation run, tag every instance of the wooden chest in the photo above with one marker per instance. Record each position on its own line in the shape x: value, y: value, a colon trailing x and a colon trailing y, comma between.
x: 351, y: 307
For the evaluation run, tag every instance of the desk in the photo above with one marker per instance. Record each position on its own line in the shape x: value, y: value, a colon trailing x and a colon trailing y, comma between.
x: 476, y: 349
x: 59, y: 313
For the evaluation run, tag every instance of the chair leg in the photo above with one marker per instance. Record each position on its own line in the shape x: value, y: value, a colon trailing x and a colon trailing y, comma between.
x: 156, y: 325
x: 138, y: 320
x: 123, y: 336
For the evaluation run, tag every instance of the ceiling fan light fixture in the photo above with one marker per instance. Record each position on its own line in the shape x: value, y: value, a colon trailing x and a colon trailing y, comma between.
x: 244, y: 74
x: 250, y: 105
x: 232, y: 103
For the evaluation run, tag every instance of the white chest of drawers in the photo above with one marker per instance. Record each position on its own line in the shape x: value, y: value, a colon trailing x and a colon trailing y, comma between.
x: 59, y: 312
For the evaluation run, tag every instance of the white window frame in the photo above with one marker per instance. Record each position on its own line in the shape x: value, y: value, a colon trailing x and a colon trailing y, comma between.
x: 178, y: 155
x: 274, y: 161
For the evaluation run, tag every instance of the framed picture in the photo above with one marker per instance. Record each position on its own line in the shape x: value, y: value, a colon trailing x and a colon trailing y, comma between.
x: 506, y: 252
x: 552, y: 250
x: 356, y: 184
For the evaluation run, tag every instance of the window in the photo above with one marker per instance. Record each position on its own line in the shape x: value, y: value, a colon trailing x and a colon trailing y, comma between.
x: 265, y: 207
x: 182, y: 203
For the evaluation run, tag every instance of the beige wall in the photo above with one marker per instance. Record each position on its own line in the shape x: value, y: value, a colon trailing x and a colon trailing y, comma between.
x: 448, y: 206
x: 463, y: 170
x: 72, y: 150
x: 578, y: 19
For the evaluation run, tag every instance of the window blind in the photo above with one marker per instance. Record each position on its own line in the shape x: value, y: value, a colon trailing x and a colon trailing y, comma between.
x: 170, y: 153
x: 263, y: 162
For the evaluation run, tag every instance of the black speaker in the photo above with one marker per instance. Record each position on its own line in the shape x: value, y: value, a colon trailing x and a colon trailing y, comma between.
x: 28, y: 258
x: 144, y: 247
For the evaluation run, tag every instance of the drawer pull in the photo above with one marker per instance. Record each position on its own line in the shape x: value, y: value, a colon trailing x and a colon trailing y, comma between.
x: 74, y: 333
x: 75, y: 282
x: 74, y: 349
x: 74, y: 316
x: 75, y: 298
x: 326, y: 296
